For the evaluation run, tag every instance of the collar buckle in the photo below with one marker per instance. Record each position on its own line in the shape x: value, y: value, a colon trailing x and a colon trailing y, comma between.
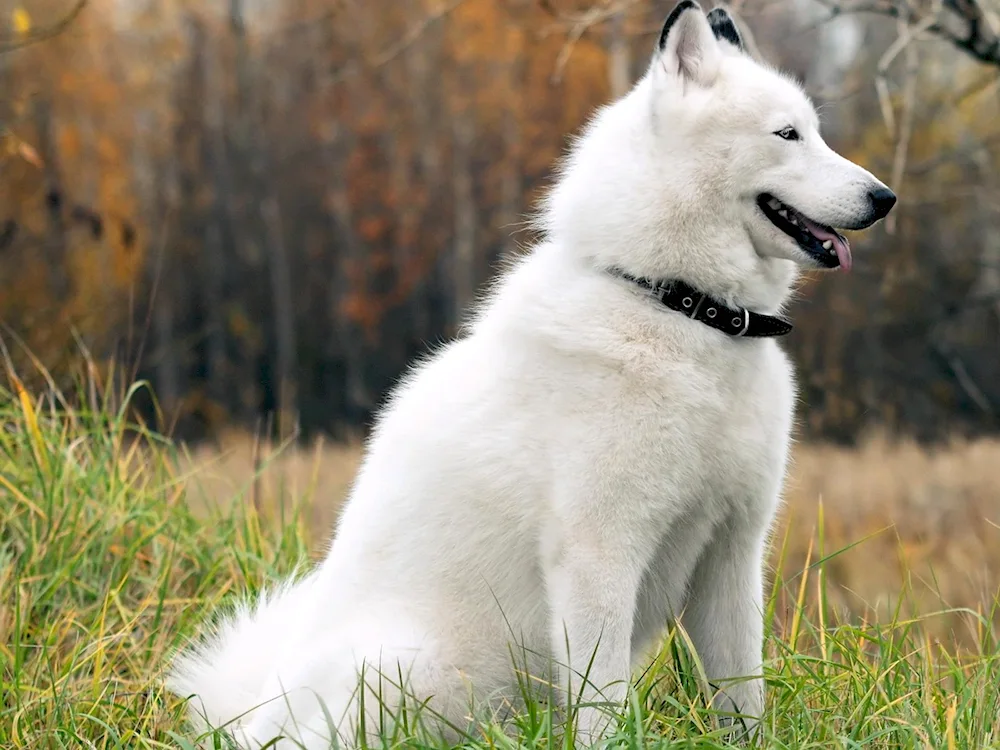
x: 659, y: 290
x: 683, y: 298
x: 746, y: 322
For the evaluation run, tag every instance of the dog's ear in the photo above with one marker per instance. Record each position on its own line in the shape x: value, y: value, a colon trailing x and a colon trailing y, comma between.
x: 724, y: 28
x: 688, y: 46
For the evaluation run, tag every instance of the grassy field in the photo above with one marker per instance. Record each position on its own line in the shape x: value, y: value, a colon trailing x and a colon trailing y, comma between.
x: 882, y: 622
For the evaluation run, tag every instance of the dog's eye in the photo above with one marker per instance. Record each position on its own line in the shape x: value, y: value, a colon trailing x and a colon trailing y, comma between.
x: 788, y: 133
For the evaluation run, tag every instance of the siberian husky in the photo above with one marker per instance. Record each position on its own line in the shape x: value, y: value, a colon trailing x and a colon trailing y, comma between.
x: 601, y: 453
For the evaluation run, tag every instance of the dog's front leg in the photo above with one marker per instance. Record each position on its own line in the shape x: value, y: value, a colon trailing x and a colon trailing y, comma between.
x: 592, y: 584
x: 724, y: 617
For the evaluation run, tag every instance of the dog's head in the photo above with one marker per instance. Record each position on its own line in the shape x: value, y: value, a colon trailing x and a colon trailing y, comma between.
x: 792, y: 190
x: 718, y: 153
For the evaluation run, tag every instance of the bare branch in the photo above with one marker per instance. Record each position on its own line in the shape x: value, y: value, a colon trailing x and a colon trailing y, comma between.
x: 410, y: 37
x: 906, y: 36
x: 10, y: 43
x: 951, y: 157
x: 963, y: 377
x: 587, y: 20
x: 576, y: 24
x: 963, y: 23
x: 598, y: 13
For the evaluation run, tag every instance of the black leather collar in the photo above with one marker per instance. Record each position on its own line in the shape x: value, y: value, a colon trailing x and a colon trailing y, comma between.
x: 684, y: 298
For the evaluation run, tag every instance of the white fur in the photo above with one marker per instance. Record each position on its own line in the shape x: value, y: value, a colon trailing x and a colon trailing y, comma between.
x: 585, y: 464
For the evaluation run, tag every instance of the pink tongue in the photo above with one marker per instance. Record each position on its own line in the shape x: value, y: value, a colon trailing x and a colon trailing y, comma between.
x: 839, y: 243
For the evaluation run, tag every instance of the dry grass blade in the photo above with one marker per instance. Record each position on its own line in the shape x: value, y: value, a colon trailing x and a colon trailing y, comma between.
x: 141, y: 542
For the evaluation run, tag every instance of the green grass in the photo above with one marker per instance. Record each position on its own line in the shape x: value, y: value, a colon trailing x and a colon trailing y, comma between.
x: 105, y: 568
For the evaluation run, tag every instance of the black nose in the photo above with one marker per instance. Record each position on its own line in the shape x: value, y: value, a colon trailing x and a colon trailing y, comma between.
x: 882, y: 200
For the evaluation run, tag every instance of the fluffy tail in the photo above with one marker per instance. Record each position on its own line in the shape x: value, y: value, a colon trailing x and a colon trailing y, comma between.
x: 225, y: 673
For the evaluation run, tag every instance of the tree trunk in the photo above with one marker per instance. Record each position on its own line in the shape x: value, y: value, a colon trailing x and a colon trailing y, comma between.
x: 284, y: 318
x: 55, y: 236
x: 215, y: 260
x: 252, y: 122
x: 346, y: 346
x: 619, y: 60
x: 512, y: 185
x: 464, y: 261
x: 425, y: 98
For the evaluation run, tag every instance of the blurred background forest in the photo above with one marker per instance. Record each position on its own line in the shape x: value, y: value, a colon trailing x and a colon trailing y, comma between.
x: 267, y: 209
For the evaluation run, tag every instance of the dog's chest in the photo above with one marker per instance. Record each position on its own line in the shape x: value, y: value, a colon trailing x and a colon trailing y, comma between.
x: 723, y: 427
x: 744, y: 443
x: 722, y: 441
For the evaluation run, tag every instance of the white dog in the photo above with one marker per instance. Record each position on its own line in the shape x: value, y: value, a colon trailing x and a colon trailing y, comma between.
x: 604, y: 450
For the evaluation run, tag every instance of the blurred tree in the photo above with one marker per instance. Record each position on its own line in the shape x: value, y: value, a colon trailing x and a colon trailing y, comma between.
x: 269, y: 210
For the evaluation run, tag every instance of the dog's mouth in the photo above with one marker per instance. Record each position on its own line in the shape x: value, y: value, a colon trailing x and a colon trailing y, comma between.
x: 828, y: 247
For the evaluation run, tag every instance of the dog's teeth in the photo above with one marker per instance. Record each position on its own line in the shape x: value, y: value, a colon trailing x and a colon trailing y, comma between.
x: 828, y: 244
x: 774, y: 203
x: 783, y: 213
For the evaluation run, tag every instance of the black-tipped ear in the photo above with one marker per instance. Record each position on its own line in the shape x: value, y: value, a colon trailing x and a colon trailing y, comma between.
x: 687, y: 46
x: 682, y: 7
x: 724, y: 28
